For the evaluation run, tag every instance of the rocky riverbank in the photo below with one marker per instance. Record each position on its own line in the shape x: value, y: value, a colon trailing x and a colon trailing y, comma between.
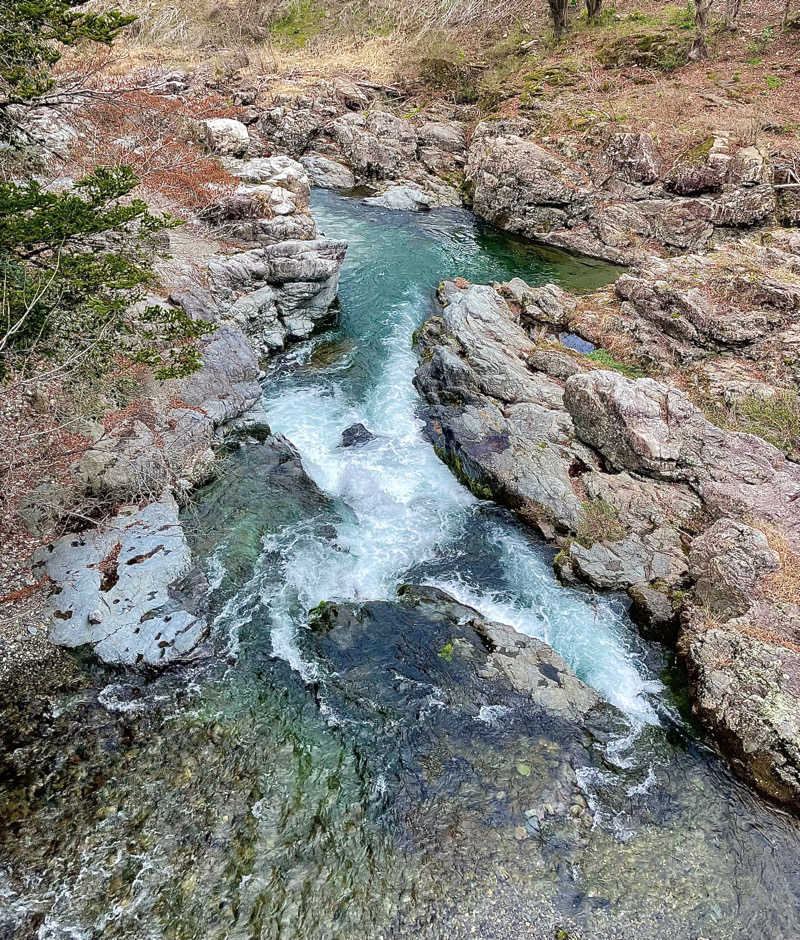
x: 643, y: 493
x: 679, y: 487
x: 126, y: 587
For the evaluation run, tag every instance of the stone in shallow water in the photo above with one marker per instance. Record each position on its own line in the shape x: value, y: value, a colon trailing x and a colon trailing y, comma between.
x: 427, y: 634
x: 356, y: 435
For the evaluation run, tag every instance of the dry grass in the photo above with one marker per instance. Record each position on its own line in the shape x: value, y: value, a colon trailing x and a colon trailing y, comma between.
x: 747, y: 88
x: 784, y: 584
x: 153, y: 133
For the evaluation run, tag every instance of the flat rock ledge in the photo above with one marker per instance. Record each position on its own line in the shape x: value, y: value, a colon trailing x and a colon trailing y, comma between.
x: 128, y: 590
x: 642, y: 493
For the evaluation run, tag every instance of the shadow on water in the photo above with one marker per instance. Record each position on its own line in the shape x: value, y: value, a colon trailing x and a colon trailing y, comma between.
x: 365, y: 782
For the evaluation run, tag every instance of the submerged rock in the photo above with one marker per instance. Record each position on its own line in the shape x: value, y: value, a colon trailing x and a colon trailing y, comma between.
x: 429, y: 636
x: 128, y: 589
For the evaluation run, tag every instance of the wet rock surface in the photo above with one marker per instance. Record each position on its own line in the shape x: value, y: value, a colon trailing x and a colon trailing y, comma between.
x: 480, y: 663
x: 356, y: 435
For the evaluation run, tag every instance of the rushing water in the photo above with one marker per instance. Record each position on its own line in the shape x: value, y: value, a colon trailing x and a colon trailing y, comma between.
x: 299, y: 791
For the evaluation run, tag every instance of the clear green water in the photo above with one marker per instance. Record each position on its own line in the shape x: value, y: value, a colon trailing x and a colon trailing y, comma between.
x: 259, y: 796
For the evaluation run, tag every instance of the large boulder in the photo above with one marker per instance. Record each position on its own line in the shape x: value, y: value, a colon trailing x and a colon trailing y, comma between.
x: 634, y: 157
x: 501, y: 426
x: 728, y: 561
x: 327, y: 173
x: 376, y: 145
x: 226, y: 136
x: 128, y: 590
x: 646, y: 427
x: 522, y: 187
x: 745, y: 683
x: 703, y: 169
x: 283, y: 291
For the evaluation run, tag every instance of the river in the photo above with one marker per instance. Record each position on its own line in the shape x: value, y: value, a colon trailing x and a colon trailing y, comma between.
x: 251, y: 797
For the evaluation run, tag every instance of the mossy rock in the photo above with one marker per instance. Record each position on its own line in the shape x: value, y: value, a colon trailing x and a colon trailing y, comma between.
x: 665, y: 50
x: 562, y: 75
x: 322, y: 618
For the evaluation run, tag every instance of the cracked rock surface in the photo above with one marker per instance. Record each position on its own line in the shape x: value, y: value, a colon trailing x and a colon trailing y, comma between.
x: 128, y: 590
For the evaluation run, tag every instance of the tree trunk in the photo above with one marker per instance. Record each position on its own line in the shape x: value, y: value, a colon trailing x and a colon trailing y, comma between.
x: 732, y: 8
x: 593, y: 9
x: 558, y: 11
x: 699, y: 48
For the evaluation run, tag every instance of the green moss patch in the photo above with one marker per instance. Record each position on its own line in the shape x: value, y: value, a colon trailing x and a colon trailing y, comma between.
x: 605, y: 360
x: 303, y: 21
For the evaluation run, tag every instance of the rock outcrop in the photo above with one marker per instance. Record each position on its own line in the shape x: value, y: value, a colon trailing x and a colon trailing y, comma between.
x: 280, y: 292
x: 270, y: 205
x: 167, y: 439
x: 128, y: 589
x: 616, y: 206
x: 485, y: 659
x: 619, y: 199
x: 643, y: 493
x: 745, y: 682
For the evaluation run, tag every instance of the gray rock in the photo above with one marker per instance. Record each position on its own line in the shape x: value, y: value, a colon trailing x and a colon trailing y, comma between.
x: 327, y: 173
x: 356, y: 435
x: 278, y: 171
x: 172, y: 435
x: 700, y: 172
x: 655, y: 612
x: 226, y: 136
x: 745, y: 682
x: 280, y: 291
x: 742, y: 208
x: 634, y: 157
x: 413, y: 197
x: 728, y: 561
x: 637, y: 558
x: 449, y: 136
x: 44, y: 506
x: 128, y: 589
x: 501, y: 426
x: 377, y: 145
x: 648, y: 428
